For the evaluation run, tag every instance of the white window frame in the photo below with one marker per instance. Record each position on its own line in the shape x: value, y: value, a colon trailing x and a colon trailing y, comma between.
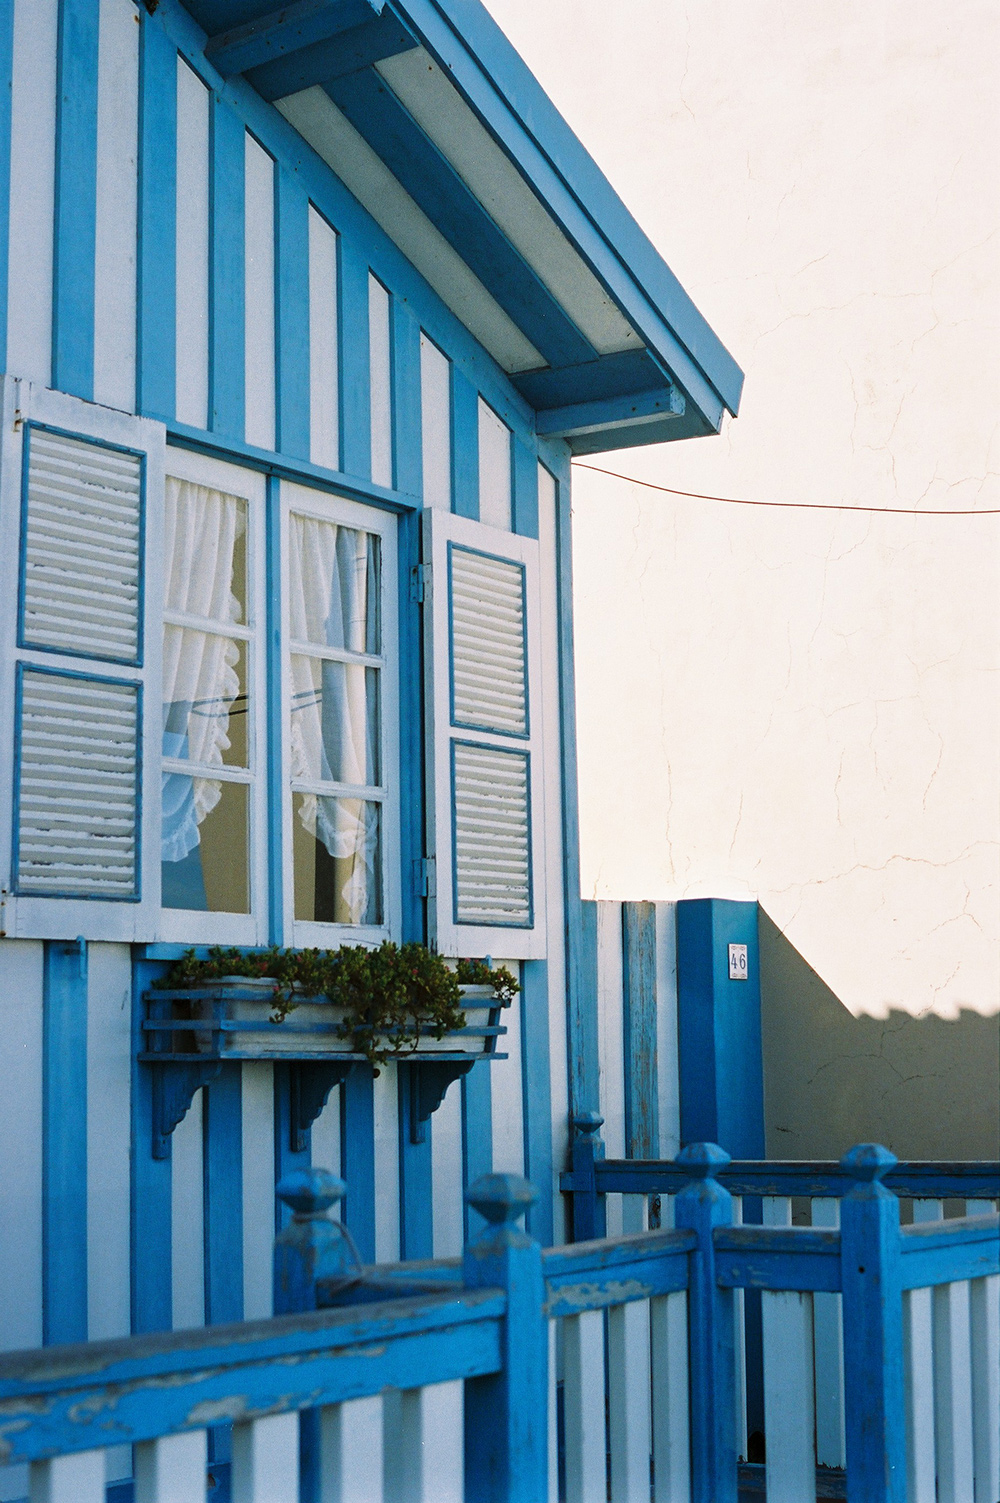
x: 185, y: 925
x: 330, y: 507
x: 449, y: 937
x: 29, y: 915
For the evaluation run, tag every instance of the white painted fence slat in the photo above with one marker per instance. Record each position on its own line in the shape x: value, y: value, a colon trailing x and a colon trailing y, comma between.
x: 351, y: 1451
x: 583, y: 1397
x: 173, y: 1469
x: 953, y: 1393
x: 266, y: 1460
x: 828, y: 1353
x: 422, y: 1444
x: 68, y: 1479
x: 671, y: 1443
x: 787, y: 1328
x: 628, y: 1396
x: 918, y: 1378
x: 740, y: 1349
x: 984, y: 1306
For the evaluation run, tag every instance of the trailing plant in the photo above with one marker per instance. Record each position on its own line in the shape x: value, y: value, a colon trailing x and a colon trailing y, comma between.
x: 391, y: 996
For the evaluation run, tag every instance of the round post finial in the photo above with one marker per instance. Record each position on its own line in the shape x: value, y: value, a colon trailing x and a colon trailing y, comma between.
x: 587, y: 1123
x: 501, y: 1199
x: 310, y: 1192
x: 868, y: 1162
x: 702, y: 1160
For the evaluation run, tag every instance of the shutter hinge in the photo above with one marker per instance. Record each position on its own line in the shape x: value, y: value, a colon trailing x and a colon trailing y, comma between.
x: 420, y: 579
x: 424, y: 877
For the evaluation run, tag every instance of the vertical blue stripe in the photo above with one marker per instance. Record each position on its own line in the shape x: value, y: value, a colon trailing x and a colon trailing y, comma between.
x: 406, y: 437
x: 223, y: 1199
x: 464, y: 446
x: 536, y: 1092
x: 275, y: 716
x: 227, y: 254
x: 64, y: 1142
x: 525, y: 478
x: 6, y: 86
x: 291, y: 331
x: 156, y: 359
x: 151, y: 1188
x: 75, y: 227
x: 354, y: 362
x: 477, y: 1137
x: 642, y: 1129
x: 416, y: 1196
x: 357, y: 1157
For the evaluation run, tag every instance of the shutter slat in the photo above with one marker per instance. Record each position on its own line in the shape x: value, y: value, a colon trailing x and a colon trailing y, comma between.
x: 487, y: 625
x: 81, y: 564
x: 78, y: 786
x: 492, y: 864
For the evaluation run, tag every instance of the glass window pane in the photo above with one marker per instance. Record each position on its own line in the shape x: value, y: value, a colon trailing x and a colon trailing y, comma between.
x: 204, y: 548
x: 335, y: 722
x: 333, y: 585
x: 205, y: 848
x: 337, y: 858
x: 205, y: 699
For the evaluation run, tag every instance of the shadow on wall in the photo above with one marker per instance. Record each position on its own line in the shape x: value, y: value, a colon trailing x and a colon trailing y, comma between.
x: 927, y: 1087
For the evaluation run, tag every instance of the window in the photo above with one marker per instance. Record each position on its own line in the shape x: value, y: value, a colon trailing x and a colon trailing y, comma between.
x: 341, y: 714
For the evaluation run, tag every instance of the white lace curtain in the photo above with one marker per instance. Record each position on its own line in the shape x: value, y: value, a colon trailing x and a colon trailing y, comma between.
x: 334, y: 731
x: 200, y: 682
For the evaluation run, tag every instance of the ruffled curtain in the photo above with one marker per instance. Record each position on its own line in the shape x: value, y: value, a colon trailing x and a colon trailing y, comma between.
x: 200, y: 682
x: 334, y: 732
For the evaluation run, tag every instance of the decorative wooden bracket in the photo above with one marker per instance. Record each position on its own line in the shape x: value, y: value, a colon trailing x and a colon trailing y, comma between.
x: 311, y: 1082
x: 428, y: 1082
x: 174, y: 1085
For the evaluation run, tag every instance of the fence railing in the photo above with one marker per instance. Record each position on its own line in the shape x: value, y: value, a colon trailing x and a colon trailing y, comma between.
x: 427, y: 1383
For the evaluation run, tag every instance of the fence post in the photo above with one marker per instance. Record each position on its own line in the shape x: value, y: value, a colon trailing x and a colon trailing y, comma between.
x: 506, y: 1413
x: 311, y: 1246
x: 872, y: 1299
x: 589, y: 1215
x: 701, y: 1206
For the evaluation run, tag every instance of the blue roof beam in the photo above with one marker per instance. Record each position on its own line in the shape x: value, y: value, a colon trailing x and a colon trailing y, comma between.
x: 343, y: 52
x: 434, y: 185
x: 583, y: 418
x: 282, y: 32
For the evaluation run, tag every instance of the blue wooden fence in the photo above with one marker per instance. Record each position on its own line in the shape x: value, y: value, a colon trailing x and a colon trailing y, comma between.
x: 487, y: 1321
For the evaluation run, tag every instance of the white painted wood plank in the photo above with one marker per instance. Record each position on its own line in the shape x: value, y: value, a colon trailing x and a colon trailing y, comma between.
x: 667, y: 1055
x: 172, y: 1469
x: 506, y: 1092
x: 324, y: 427
x: 435, y: 423
x: 187, y: 1219
x: 325, y: 1137
x: 918, y: 1378
x: 953, y: 1393
x: 259, y: 297
x: 266, y: 1460
x: 494, y: 469
x: 380, y: 377
x: 628, y: 1408
x: 828, y: 1352
x: 671, y: 1434
x: 446, y: 1175
x: 117, y: 176
x: 787, y: 1326
x: 32, y: 199
x: 387, y: 1165
x: 68, y: 1479
x: 984, y: 1310
x: 740, y: 1349
x: 21, y: 1144
x: 191, y: 327
x: 258, y: 1187
x: 609, y: 1023
x: 422, y: 1456
x: 583, y: 1402
x: 351, y: 1451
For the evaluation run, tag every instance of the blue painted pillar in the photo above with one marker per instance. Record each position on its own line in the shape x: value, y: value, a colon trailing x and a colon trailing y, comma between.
x: 64, y: 1142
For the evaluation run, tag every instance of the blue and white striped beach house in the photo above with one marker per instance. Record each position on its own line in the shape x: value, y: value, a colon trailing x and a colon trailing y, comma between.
x: 303, y: 314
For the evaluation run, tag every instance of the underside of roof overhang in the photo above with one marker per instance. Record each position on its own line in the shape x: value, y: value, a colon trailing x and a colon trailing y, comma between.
x: 434, y: 123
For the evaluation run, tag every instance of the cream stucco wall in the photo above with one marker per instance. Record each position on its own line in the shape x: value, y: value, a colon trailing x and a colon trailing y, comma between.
x: 791, y: 704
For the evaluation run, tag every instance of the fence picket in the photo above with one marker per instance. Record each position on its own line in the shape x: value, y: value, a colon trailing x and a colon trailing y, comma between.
x: 266, y: 1460
x: 953, y: 1393
x: 740, y: 1349
x: 668, y: 1359
x: 172, y: 1469
x: 68, y: 1479
x: 984, y: 1306
x: 918, y: 1373
x: 828, y: 1354
x: 628, y: 1401
x: 583, y: 1400
x: 786, y: 1318
x: 350, y: 1468
x: 422, y: 1441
